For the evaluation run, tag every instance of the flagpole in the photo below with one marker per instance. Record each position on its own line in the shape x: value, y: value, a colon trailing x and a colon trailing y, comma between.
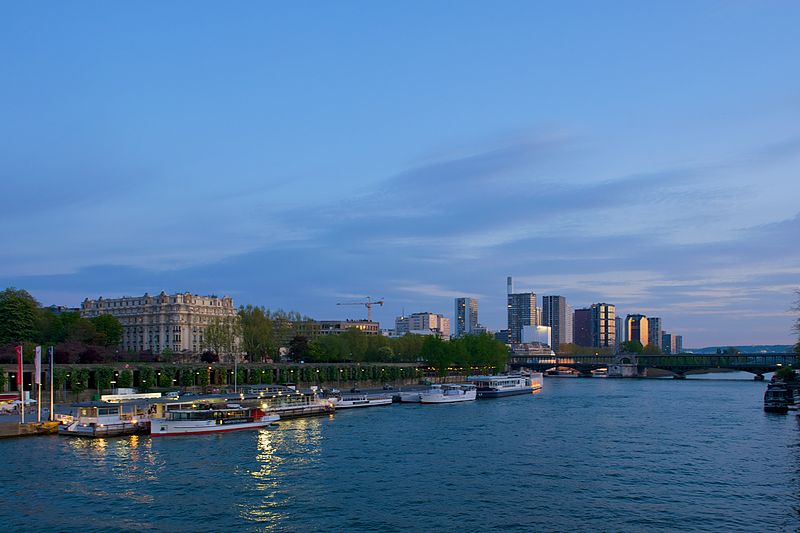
x: 37, y: 369
x: 20, y: 384
x: 50, y: 353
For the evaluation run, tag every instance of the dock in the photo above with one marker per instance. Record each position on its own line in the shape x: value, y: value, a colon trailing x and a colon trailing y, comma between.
x: 11, y: 430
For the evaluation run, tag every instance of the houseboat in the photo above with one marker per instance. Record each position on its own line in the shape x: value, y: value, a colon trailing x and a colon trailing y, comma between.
x: 101, y: 419
x: 211, y: 419
x: 449, y: 394
x: 507, y: 385
x: 350, y: 400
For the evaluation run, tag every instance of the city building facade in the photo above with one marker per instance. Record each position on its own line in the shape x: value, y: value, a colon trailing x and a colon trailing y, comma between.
x: 637, y: 329
x: 522, y: 311
x: 337, y: 327
x: 166, y: 321
x: 603, y: 325
x: 582, y: 327
x: 554, y: 315
x: 654, y: 331
x: 466, y: 317
x: 423, y: 324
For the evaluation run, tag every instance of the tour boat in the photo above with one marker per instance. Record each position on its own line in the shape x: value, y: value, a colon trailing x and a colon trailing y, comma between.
x: 210, y: 419
x: 409, y: 397
x: 448, y: 394
x: 346, y: 401
x: 101, y: 419
x: 496, y: 386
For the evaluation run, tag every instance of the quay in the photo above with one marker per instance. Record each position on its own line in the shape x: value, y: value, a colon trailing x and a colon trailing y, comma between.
x: 29, y: 429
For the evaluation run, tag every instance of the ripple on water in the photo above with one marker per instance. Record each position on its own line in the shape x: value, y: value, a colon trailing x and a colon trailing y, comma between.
x: 586, y: 455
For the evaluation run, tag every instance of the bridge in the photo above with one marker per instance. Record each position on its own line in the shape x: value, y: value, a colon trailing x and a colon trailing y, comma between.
x: 680, y: 365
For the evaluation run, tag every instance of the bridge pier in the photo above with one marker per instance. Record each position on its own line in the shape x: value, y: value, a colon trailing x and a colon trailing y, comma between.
x: 759, y: 377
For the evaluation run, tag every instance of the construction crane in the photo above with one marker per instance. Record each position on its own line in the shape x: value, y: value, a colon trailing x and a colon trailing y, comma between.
x: 369, y: 303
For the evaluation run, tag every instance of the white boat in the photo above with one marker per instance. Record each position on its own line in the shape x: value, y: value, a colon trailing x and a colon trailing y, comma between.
x: 346, y: 401
x: 409, y: 397
x: 208, y: 419
x: 449, y: 394
x: 100, y: 419
x: 507, y: 385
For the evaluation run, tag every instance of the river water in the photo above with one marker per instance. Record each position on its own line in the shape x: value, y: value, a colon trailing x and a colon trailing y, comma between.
x: 581, y: 455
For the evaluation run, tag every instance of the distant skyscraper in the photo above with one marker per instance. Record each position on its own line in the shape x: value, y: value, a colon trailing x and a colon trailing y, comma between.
x: 521, y: 312
x: 603, y: 325
x: 568, y: 329
x: 654, y: 331
x: 636, y: 327
x: 582, y: 327
x: 668, y: 343
x: 554, y: 314
x: 423, y: 323
x: 466, y: 316
x: 678, y: 343
x: 618, y: 324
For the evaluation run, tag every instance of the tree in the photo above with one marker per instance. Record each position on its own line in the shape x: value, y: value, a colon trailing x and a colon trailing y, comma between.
x: 651, y: 349
x: 79, y: 381
x: 209, y: 357
x: 109, y: 330
x: 786, y: 373
x: 222, y: 335
x: 298, y: 348
x: 125, y: 380
x: 18, y: 314
x: 631, y: 347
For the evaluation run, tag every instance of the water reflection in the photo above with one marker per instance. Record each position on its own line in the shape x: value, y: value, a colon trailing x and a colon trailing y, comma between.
x: 281, y: 455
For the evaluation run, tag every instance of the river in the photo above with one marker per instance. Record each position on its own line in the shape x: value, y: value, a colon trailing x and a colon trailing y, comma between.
x: 580, y: 455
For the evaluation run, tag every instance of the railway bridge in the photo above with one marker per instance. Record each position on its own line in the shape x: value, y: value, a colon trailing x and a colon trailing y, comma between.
x: 679, y: 365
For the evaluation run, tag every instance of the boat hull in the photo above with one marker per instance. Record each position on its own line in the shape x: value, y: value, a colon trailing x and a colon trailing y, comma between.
x: 100, y: 432
x: 173, y: 429
x: 363, y: 403
x: 506, y: 392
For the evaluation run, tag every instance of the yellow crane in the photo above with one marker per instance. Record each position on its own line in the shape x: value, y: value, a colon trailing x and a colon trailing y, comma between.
x: 368, y: 304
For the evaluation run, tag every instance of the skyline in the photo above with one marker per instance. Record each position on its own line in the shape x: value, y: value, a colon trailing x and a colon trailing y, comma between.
x: 640, y: 155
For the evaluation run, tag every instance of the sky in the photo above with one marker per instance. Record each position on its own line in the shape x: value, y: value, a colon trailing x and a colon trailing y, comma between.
x: 300, y: 154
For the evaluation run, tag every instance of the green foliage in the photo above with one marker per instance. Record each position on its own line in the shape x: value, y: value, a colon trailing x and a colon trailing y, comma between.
x: 166, y: 354
x: 79, y: 380
x: 187, y: 377
x: 786, y: 373
x: 147, y: 378
x: 203, y: 376
x: 167, y: 375
x: 631, y: 347
x: 2, y: 381
x: 298, y: 348
x: 109, y: 330
x: 59, y: 378
x: 18, y: 314
x: 651, y: 349
x: 222, y: 335
x: 125, y: 379
x: 103, y: 377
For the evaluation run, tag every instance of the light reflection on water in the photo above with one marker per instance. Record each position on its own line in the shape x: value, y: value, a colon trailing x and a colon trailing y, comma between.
x: 597, y: 454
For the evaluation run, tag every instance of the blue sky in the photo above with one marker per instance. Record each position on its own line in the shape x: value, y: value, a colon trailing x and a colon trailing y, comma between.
x: 300, y: 154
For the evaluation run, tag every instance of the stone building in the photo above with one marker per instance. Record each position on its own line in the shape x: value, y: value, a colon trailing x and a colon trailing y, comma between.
x: 174, y: 321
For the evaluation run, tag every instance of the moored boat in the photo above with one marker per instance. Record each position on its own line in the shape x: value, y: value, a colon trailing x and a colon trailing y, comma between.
x: 449, y: 393
x: 507, y: 385
x: 777, y: 398
x: 409, y: 397
x: 101, y: 419
x: 346, y: 401
x: 211, y: 419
